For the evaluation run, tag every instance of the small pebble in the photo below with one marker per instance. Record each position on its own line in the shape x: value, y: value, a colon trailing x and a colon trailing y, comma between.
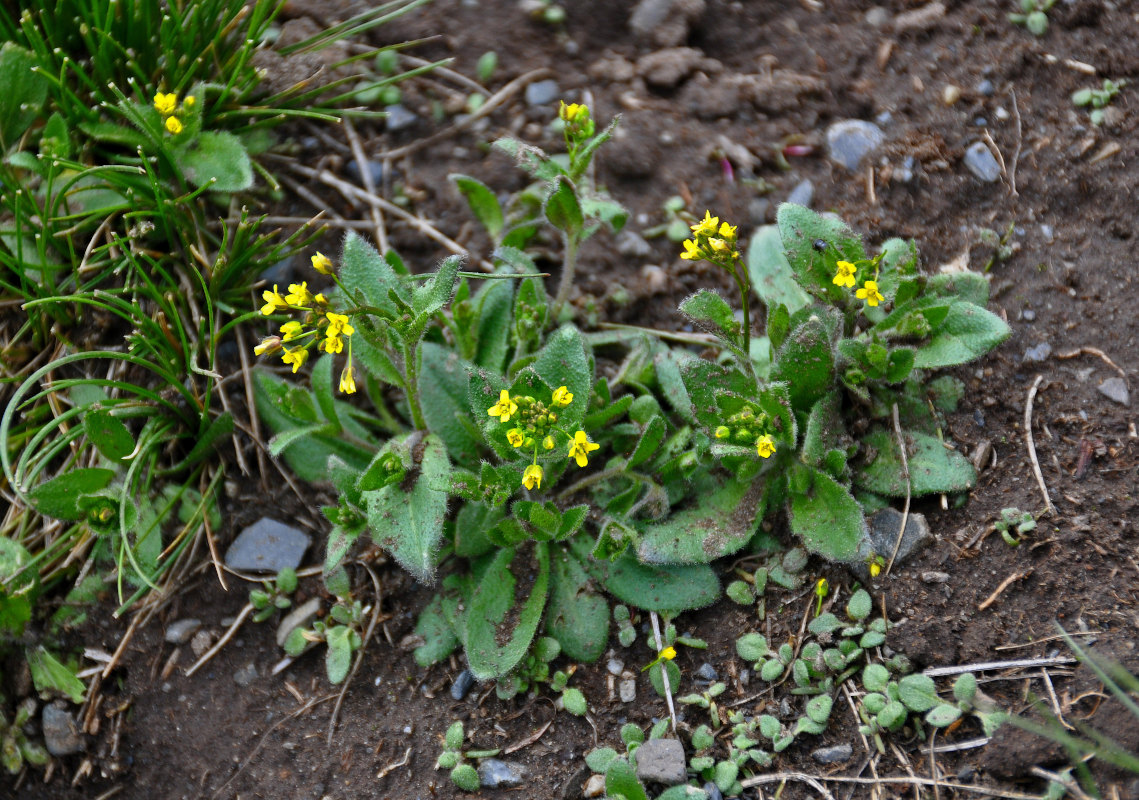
x: 980, y: 122
x: 615, y: 666
x: 541, y: 93
x: 713, y: 791
x: 979, y: 160
x: 494, y: 773
x: 706, y: 673
x: 1115, y: 389
x: 884, y: 119
x: 1038, y: 353
x: 1001, y: 114
x: 201, y: 642
x: 246, y: 675
x: 851, y: 140
x: 875, y: 17
x: 632, y: 244
x: 802, y: 194
x: 833, y: 755
x: 655, y: 279
x: 935, y: 577
x: 594, y: 787
x: 180, y: 632
x: 1048, y: 233
x: 627, y: 689
x: 282, y: 273
x: 986, y: 88
x: 661, y: 761
x: 462, y: 685
x: 1028, y: 315
x: 950, y: 94
x: 61, y: 736
x: 399, y: 118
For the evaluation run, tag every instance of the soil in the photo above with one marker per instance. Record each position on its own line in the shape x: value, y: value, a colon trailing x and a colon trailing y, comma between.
x: 1068, y: 195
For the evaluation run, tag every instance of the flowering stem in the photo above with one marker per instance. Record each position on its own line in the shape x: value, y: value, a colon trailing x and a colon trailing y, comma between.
x: 411, y: 381
x: 569, y: 266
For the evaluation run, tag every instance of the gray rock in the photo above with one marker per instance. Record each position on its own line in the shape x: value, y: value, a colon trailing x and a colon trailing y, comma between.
x: 851, y: 140
x: 1028, y: 315
x: 628, y: 690
x: 202, y: 641
x: 1115, y: 389
x: 665, y: 23
x: 802, y: 194
x: 267, y: 546
x: 986, y: 88
x: 905, y: 173
x: 542, y: 93
x: 179, y: 632
x: 615, y: 666
x: 713, y: 791
x: 884, y: 532
x: 462, y: 685
x: 633, y: 244
x: 494, y: 773
x: 833, y: 755
x: 1038, y: 353
x: 246, y: 675
x: 706, y: 673
x: 299, y: 617
x: 933, y: 576
x: 661, y: 761
x: 979, y: 160
x: 61, y: 736
x: 399, y: 118
x: 877, y: 16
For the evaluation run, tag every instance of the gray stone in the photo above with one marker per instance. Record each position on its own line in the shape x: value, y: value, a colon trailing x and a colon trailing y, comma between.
x: 202, y: 641
x: 1115, y: 389
x: 833, y: 755
x: 802, y: 194
x: 246, y: 675
x: 615, y: 666
x: 1038, y: 353
x: 661, y: 761
x: 884, y: 526
x: 267, y: 546
x: 633, y: 244
x: 933, y: 576
x: 986, y: 88
x: 1028, y: 315
x: 299, y: 617
x: 713, y: 791
x: 179, y: 632
x: 979, y: 160
x: 462, y: 685
x: 851, y: 140
x: 542, y: 93
x: 399, y: 118
x: 706, y: 673
x: 494, y: 773
x: 877, y: 16
x: 628, y: 690
x: 61, y: 736
x: 665, y: 23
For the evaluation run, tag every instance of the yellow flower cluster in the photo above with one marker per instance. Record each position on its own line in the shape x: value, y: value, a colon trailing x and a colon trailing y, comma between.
x: 536, y: 426
x: 845, y: 272
x: 713, y: 241
x: 578, y: 125
x: 745, y: 427
x: 167, y: 105
x: 319, y: 324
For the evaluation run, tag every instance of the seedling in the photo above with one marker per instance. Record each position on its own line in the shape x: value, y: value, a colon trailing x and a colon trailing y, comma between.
x: 453, y: 758
x: 1014, y: 520
x: 341, y: 633
x: 676, y: 223
x: 1033, y: 15
x: 1098, y: 99
x: 275, y: 594
x: 16, y: 749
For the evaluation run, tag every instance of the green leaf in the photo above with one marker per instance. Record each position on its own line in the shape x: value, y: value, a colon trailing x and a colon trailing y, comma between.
x: 752, y: 647
x: 531, y: 159
x: 875, y: 677
x: 59, y: 497
x: 860, y: 605
x: 564, y: 362
x: 806, y: 361
x: 819, y: 709
x: 484, y: 205
x: 407, y: 520
x: 771, y: 275
x: 439, y: 639
x: 465, y: 777
x: 17, y: 594
x: 933, y: 467
x: 443, y: 384
x: 497, y: 636
x: 621, y: 779
x: 918, y: 692
x: 322, y: 392
x: 574, y: 702
x: 966, y: 333
x: 704, y: 380
x: 943, y: 716
x: 438, y: 290
x: 578, y: 616
x: 606, y: 210
x: 363, y: 270
x: 825, y: 516
x: 217, y: 160
x: 650, y: 440
x: 109, y: 435
x: 24, y: 93
x: 599, y: 758
x: 493, y: 311
x: 825, y: 430
x: 719, y: 524
x: 712, y: 313
x: 650, y: 587
x: 338, y: 659
x: 656, y: 673
x: 562, y: 208
x: 965, y: 688
x: 893, y: 716
x: 814, y: 269
x: 972, y: 287
x: 49, y: 675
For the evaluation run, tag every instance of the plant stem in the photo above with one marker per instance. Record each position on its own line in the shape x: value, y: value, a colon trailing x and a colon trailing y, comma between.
x: 569, y: 266
x: 411, y: 384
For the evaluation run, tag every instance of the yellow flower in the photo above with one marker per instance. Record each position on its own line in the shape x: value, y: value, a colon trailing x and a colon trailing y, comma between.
x: 869, y: 292
x: 722, y: 432
x: 338, y: 324
x: 296, y: 356
x: 875, y: 568
x: 692, y: 251
x: 765, y: 446
x: 505, y: 408
x: 719, y: 246
x: 189, y: 101
x: 320, y: 299
x: 573, y: 111
x: 322, y: 264
x: 299, y: 295
x: 707, y: 226
x: 292, y: 330
x: 515, y: 437
x: 166, y: 103
x: 845, y: 274
x: 581, y: 447
x: 548, y: 443
x: 562, y: 396
x: 347, y: 380
x: 173, y: 125
x: 667, y: 653
x: 727, y: 232
x: 332, y: 344
x: 273, y: 302
x: 270, y: 344
x: 532, y: 477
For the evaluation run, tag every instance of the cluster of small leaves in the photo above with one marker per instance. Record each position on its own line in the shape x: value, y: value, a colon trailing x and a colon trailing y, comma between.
x: 340, y: 633
x: 1013, y: 524
x: 453, y: 758
x: 626, y: 633
x: 274, y: 595
x: 1033, y: 15
x: 620, y: 770
x: 781, y: 569
x: 16, y: 749
x: 1098, y: 99
x: 664, y: 662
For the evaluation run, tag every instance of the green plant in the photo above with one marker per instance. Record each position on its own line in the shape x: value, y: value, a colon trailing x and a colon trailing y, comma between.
x: 340, y: 633
x: 1098, y: 99
x: 16, y: 749
x: 1033, y: 15
x: 620, y: 770
x: 274, y: 595
x: 1013, y: 519
x: 452, y: 758
x: 676, y: 224
x: 546, y: 11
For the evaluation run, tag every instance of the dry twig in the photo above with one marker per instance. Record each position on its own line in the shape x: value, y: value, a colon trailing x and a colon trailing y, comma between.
x: 813, y: 780
x: 663, y: 670
x: 1032, y: 446
x: 213, y: 651
x: 906, y: 475
x: 1016, y: 576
